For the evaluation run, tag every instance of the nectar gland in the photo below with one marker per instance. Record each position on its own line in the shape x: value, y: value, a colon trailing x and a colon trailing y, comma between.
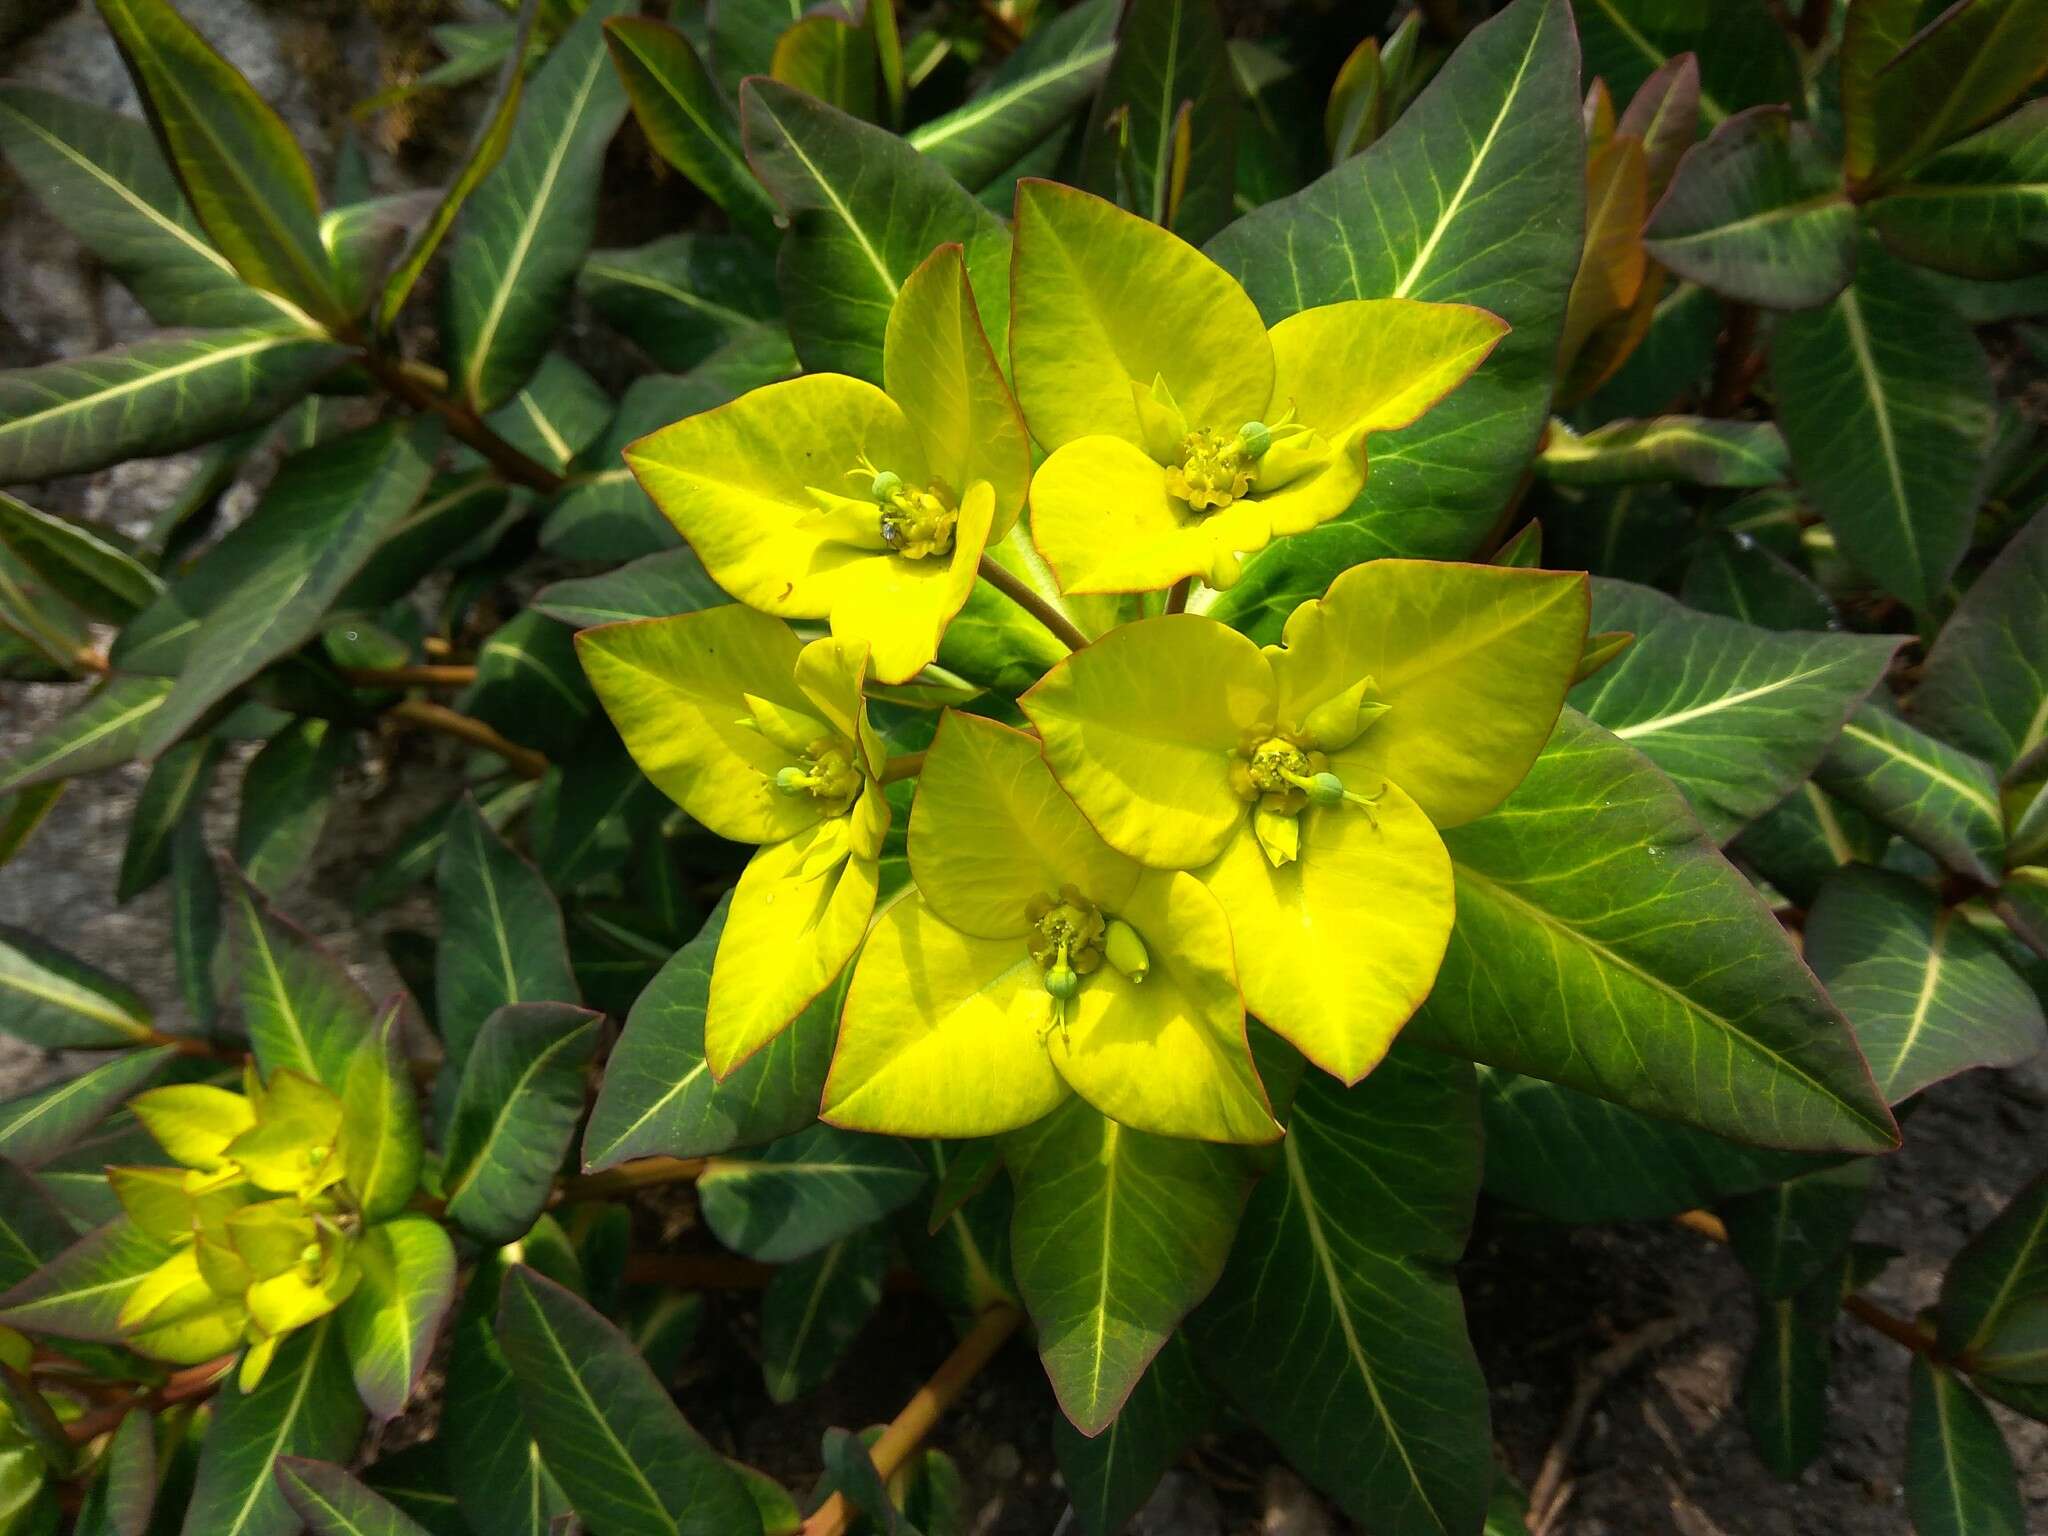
x: 827, y: 773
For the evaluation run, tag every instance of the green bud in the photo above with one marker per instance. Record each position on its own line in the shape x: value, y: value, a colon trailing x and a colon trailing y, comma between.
x: 1324, y: 789
x: 1126, y: 951
x: 1257, y: 437
x: 792, y: 781
x: 885, y: 485
x: 1062, y: 980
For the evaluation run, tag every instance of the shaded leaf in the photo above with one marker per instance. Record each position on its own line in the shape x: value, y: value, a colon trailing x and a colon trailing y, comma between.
x: 1735, y: 576
x: 1022, y: 107
x: 1785, y: 1384
x: 286, y: 792
x: 1110, y: 1476
x: 32, y: 1229
x: 1959, y: 1479
x: 302, y: 1010
x: 418, y: 853
x: 814, y: 1308
x: 554, y: 415
x: 1962, y: 69
x: 175, y: 789
x: 794, y: 1196
x: 682, y: 297
x: 1980, y: 208
x: 1745, y: 59
x: 1792, y: 1236
x: 2003, y: 1265
x: 1170, y: 58
x: 1985, y: 683
x: 332, y: 1503
x: 57, y: 1001
x: 515, y: 1113
x: 653, y: 587
x: 100, y: 577
x: 41, y: 1123
x: 101, y: 733
x: 1942, y: 799
x: 494, y: 1466
x: 1689, y: 449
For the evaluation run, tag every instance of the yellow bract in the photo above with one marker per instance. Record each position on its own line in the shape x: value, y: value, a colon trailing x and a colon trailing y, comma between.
x: 1184, y: 435
x: 824, y: 497
x: 764, y: 740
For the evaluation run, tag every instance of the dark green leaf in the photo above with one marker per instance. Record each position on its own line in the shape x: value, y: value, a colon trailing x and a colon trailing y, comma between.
x: 658, y: 1096
x: 1745, y: 59
x: 495, y: 1468
x: 1735, y: 576
x: 1690, y: 449
x: 122, y: 1501
x: 1885, y: 399
x: 1942, y: 799
x: 1785, y: 1385
x: 1170, y: 57
x: 100, y: 577
x: 77, y: 1293
x: 246, y: 177
x: 458, y: 511
x: 391, y: 1319
x: 501, y: 933
x: 1736, y: 715
x: 1806, y: 838
x: 1985, y: 684
x: 101, y: 733
x: 554, y: 415
x: 794, y: 1196
x: 1337, y: 1327
x: 304, y: 1406
x: 1110, y: 1476
x: 814, y: 1308
x: 686, y: 119
x: 302, y: 1010
x: 265, y: 589
x: 629, y: 1461
x: 57, y: 1001
x: 1928, y: 995
x: 41, y: 1123
x: 22, y: 813
x: 743, y: 36
x: 1758, y: 213
x: 32, y: 1229
x: 595, y: 806
x: 831, y: 59
x: 1790, y: 1237
x: 418, y: 853
x: 1960, y: 1479
x: 103, y: 178
x: 286, y: 793
x: 515, y: 1114
x: 1962, y: 69
x: 1014, y: 115
x: 150, y: 398
x: 175, y: 789
x: 864, y: 209
x: 650, y: 588
x: 525, y: 229
x: 530, y: 685
x: 332, y: 1503
x: 415, y: 1480
x: 1116, y: 1236
x: 1476, y: 196
x: 2003, y: 1265
x: 850, y: 1471
x: 1977, y: 209
x: 1604, y: 944
x: 1571, y: 1157
x: 682, y: 297
x: 195, y: 919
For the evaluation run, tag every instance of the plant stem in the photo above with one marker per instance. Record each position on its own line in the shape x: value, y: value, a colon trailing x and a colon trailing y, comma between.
x: 641, y: 1173
x: 1177, y: 596
x: 906, y: 1432
x: 1813, y: 21
x: 1732, y: 370
x: 465, y: 423
x: 430, y: 676
x: 1014, y: 588
x: 524, y: 761
x: 908, y: 766
x: 182, y: 1386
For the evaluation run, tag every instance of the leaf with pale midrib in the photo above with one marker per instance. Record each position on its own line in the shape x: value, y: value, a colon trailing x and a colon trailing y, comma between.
x: 1923, y: 789
x: 1960, y: 1479
x: 40, y: 1124
x: 332, y: 1503
x: 515, y: 1112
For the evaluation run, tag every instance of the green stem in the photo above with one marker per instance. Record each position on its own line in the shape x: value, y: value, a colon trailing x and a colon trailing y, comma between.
x: 1014, y: 588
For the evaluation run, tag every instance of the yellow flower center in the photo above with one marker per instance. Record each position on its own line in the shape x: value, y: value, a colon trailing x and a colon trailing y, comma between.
x: 1270, y: 767
x: 1215, y: 469
x: 1281, y: 778
x: 1070, y: 938
x: 829, y: 773
x: 915, y: 524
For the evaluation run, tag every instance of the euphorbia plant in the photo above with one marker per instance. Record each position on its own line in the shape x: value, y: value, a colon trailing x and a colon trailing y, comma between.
x: 1038, y: 751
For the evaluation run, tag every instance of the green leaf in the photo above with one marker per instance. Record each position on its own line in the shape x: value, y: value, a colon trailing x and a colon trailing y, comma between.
x: 195, y: 919
x: 1942, y: 799
x: 103, y: 579
x: 629, y: 1461
x: 1978, y: 209
x: 42, y: 637
x: 526, y: 228
x: 832, y: 59
x: 22, y: 813
x: 1928, y: 995
x: 1885, y: 399
x: 493, y: 134
x: 1571, y: 1157
x: 977, y: 140
x: 814, y: 1308
x: 653, y: 587
x: 391, y: 1319
x: 175, y: 789
x: 304, y: 1406
x: 687, y: 121
x: 1337, y: 1327
x: 151, y: 398
x: 287, y: 790
x: 530, y: 685
x: 864, y: 209
x: 1739, y: 578
x: 57, y: 1001
x: 2001, y: 1267
x: 659, y: 1097
x: 380, y: 1116
x: 124, y: 1497
x: 332, y: 1503
x: 264, y: 590
x: 794, y: 1196
x: 682, y: 297
x: 1785, y: 1384
x: 102, y: 177
x: 302, y: 1010
x: 1758, y: 213
x: 101, y: 733
x: 1745, y: 59
x: 1960, y: 1479
x: 39, y: 1124
x: 246, y: 177
x: 1691, y: 449
x: 495, y: 1468
x: 1962, y: 69
x: 1110, y: 1476
x: 743, y: 36
x: 1604, y: 944
x: 554, y: 415
x: 1116, y: 1236
x: 515, y: 1113
x: 1736, y: 715
x: 1790, y: 1237
x: 416, y: 1481
x: 595, y: 806
x: 1806, y: 838
x: 1475, y: 196
x: 1170, y: 57
x: 77, y: 1293
x: 33, y: 1230
x: 418, y: 853
x: 501, y: 933
x: 1984, y: 686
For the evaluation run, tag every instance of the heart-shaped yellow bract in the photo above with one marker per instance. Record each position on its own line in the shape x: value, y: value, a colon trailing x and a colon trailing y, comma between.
x: 1033, y: 960
x: 764, y: 740
x: 1305, y: 783
x: 823, y: 497
x: 1183, y: 433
